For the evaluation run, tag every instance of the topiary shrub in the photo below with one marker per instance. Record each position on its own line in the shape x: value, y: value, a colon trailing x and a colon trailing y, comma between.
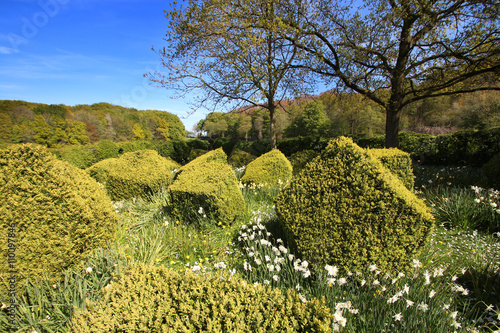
x: 106, y: 149
x: 239, y: 158
x: 301, y: 158
x: 138, y: 174
x: 492, y: 171
x: 60, y: 213
x: 217, y: 155
x: 346, y: 209
x: 268, y: 169
x: 398, y: 162
x: 101, y: 170
x: 159, y: 299
x: 211, y: 185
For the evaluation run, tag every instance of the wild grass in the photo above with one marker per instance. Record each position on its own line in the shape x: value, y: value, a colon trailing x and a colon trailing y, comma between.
x: 453, y: 286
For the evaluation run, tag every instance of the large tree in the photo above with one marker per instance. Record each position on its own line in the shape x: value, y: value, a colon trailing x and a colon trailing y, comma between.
x: 225, y: 54
x: 397, y: 52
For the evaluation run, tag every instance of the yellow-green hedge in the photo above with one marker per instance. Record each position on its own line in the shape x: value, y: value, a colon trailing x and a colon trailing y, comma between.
x: 268, y: 169
x: 301, y: 158
x: 398, y: 162
x: 213, y: 187
x: 159, y: 299
x: 345, y: 208
x: 60, y: 213
x: 217, y: 155
x: 134, y: 174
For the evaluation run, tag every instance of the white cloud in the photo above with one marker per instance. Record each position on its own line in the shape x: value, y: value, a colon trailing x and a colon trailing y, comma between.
x: 7, y: 50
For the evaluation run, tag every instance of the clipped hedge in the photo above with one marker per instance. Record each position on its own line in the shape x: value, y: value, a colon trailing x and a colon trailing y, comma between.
x: 159, y: 299
x: 301, y: 158
x: 136, y: 174
x: 60, y: 213
x: 211, y: 185
x: 346, y: 209
x: 268, y: 169
x: 217, y: 155
x: 101, y: 170
x: 239, y: 158
x: 398, y: 162
x: 492, y: 171
x: 195, y: 153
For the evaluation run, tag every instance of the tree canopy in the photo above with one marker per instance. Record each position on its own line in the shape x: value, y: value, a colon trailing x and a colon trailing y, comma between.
x: 216, y: 49
x: 397, y: 52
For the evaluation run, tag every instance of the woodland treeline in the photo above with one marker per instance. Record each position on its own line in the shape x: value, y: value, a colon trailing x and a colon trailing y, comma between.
x: 331, y: 114
x: 53, y: 125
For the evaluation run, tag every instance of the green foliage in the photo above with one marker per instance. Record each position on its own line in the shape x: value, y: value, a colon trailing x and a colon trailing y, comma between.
x: 60, y: 213
x: 312, y: 121
x: 270, y: 169
x: 148, y: 298
x: 239, y: 158
x: 138, y: 174
x: 198, y: 144
x: 346, y: 209
x: 195, y: 153
x: 210, y: 185
x: 106, y: 149
x: 217, y: 155
x: 293, y: 145
x: 80, y: 156
x: 301, y: 158
x: 101, y: 170
x: 398, y: 162
x: 492, y: 171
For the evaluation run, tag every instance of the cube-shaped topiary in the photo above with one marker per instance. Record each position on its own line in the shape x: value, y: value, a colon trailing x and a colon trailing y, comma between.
x: 345, y: 208
x: 210, y: 185
x: 301, y: 158
x: 270, y: 169
x: 159, y: 299
x: 52, y: 214
x: 492, y: 171
x: 217, y: 155
x: 239, y: 158
x: 134, y: 174
x: 398, y: 162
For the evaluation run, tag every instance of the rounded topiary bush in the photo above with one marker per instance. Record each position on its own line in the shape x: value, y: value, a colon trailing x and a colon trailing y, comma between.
x: 101, y: 170
x: 301, y: 158
x: 269, y: 169
x: 346, y: 209
x: 492, y: 171
x: 210, y: 185
x: 159, y: 299
x: 239, y: 158
x: 138, y: 174
x: 57, y: 212
x: 195, y: 153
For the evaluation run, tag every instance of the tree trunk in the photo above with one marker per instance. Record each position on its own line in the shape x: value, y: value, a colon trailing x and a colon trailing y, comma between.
x: 272, y: 125
x: 392, y: 128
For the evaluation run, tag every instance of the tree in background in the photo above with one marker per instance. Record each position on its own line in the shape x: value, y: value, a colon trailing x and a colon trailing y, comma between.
x: 228, y: 52
x: 312, y: 121
x: 397, y: 52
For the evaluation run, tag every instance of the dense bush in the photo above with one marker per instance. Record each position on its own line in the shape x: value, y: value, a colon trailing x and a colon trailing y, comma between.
x: 346, y: 209
x: 130, y: 146
x: 492, y: 171
x: 270, y: 169
x: 398, y: 162
x: 80, y: 156
x: 135, y: 174
x: 106, y: 149
x: 293, y: 145
x: 158, y: 299
x: 239, y: 158
x: 60, y: 213
x: 227, y: 144
x: 256, y: 148
x: 301, y: 158
x: 198, y: 144
x: 209, y: 185
x: 216, y: 155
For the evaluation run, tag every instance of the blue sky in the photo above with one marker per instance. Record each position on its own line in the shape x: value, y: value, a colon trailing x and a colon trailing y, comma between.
x: 84, y: 52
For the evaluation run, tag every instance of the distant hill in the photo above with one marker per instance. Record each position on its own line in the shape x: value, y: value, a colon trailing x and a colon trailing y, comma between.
x: 58, y: 124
